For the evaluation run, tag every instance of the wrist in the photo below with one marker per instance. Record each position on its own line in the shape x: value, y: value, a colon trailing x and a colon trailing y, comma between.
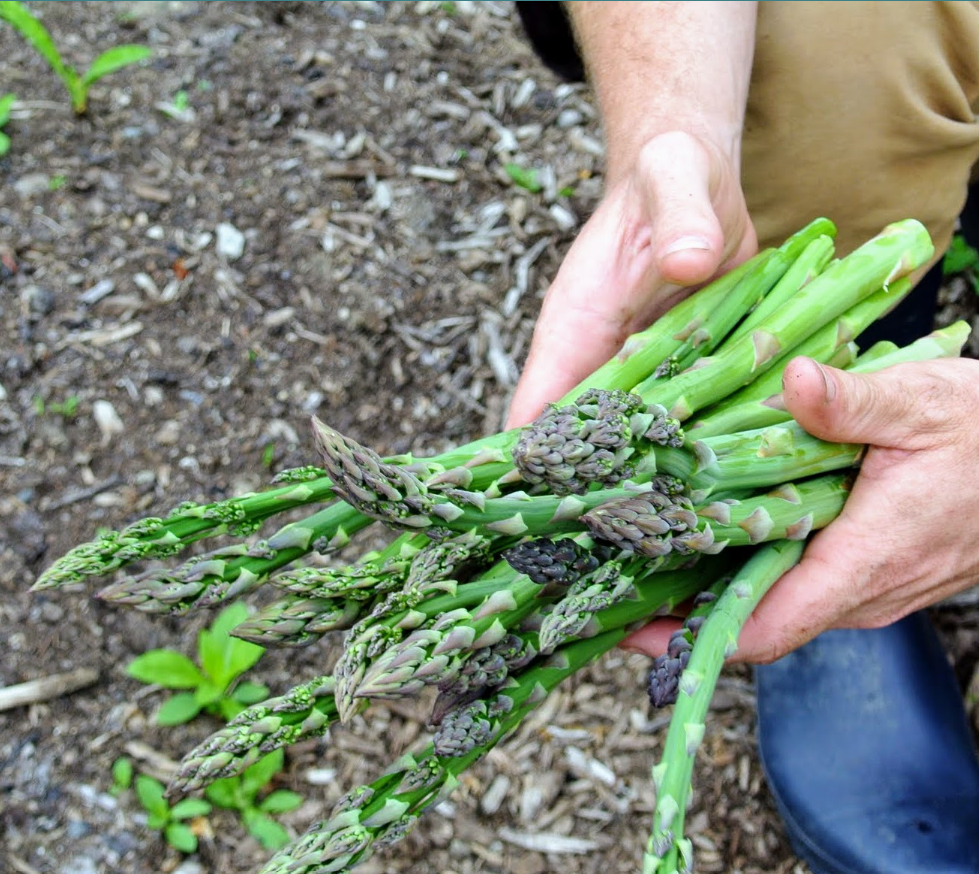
x: 659, y: 67
x: 720, y: 139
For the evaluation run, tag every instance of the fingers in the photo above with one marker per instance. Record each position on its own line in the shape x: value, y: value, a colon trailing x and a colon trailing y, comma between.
x: 906, y: 406
x: 586, y: 314
x: 813, y: 596
x: 652, y: 639
x: 655, y: 235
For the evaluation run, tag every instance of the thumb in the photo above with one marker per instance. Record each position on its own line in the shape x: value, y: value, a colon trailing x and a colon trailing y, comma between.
x: 887, y: 408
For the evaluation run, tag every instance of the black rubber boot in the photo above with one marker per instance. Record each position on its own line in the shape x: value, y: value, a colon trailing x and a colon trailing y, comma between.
x: 868, y: 752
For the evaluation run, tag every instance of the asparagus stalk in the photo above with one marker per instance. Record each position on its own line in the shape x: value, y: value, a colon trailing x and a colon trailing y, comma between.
x: 897, y: 251
x: 380, y: 813
x: 668, y: 852
x: 309, y: 709
x: 644, y: 351
x: 773, y: 281
x: 760, y: 403
x: 813, y: 260
x: 156, y: 538
x: 230, y: 572
x: 663, y: 684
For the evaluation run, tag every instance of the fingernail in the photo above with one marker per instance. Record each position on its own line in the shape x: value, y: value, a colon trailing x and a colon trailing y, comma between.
x: 828, y: 382
x: 683, y: 244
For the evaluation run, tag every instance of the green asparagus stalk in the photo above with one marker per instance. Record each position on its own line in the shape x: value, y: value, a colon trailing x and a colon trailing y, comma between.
x: 663, y: 684
x: 806, y: 267
x: 644, y: 351
x: 309, y: 709
x: 810, y: 263
x: 897, y: 251
x: 760, y: 404
x: 232, y: 571
x: 156, y: 538
x: 668, y: 851
x: 382, y: 812
x: 306, y: 711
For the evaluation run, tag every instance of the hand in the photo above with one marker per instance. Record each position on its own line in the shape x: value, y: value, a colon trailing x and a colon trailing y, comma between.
x: 671, y: 224
x: 907, y: 535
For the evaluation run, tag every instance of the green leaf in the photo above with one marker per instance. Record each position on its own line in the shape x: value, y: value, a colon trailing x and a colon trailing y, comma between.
x: 242, y: 655
x: 31, y: 29
x: 526, y: 179
x: 122, y: 774
x: 280, y: 801
x: 180, y: 837
x: 166, y: 668
x: 228, y: 708
x: 178, y: 709
x: 4, y: 144
x: 959, y: 257
x: 227, y: 619
x: 250, y: 693
x: 223, y: 657
x: 114, y: 59
x: 189, y: 808
x: 208, y: 693
x: 157, y: 822
x: 224, y: 793
x: 150, y: 795
x: 6, y: 102
x: 266, y: 831
x: 258, y: 775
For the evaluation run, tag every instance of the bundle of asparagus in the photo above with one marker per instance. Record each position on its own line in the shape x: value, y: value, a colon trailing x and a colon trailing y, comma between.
x: 672, y: 473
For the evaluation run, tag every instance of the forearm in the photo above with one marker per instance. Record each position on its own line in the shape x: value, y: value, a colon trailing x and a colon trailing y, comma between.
x: 659, y: 67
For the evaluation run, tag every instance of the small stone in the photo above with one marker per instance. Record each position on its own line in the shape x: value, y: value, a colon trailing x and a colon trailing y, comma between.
x: 495, y: 794
x: 230, y: 241
x: 31, y: 184
x: 40, y: 301
x: 569, y: 118
x: 102, y: 288
x: 279, y: 317
x: 168, y: 433
x: 563, y: 218
x: 80, y: 865
x: 51, y: 612
x: 107, y: 419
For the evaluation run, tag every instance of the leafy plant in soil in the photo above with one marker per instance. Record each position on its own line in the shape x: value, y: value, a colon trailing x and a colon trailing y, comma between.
x: 170, y: 820
x: 212, y: 686
x: 247, y: 795
x: 6, y: 102
x: 78, y: 85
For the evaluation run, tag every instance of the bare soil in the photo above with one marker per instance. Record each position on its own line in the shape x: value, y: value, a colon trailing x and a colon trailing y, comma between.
x: 388, y: 279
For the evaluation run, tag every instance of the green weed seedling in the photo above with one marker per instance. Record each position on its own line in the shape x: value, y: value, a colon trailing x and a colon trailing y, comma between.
x: 170, y: 821
x: 962, y: 259
x: 122, y: 776
x: 523, y: 177
x: 214, y: 685
x: 6, y: 102
x: 31, y: 29
x: 66, y: 408
x: 243, y: 794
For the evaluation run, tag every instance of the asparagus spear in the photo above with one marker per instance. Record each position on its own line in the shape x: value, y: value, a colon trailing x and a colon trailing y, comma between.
x: 668, y: 852
x: 760, y: 403
x: 155, y: 538
x: 897, y: 251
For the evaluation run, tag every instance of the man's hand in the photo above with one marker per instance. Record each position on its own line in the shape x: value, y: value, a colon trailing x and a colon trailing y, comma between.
x: 908, y: 533
x: 672, y: 82
x: 669, y: 226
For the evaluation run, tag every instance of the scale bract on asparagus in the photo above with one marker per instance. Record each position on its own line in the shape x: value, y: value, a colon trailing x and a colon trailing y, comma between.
x: 672, y: 475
